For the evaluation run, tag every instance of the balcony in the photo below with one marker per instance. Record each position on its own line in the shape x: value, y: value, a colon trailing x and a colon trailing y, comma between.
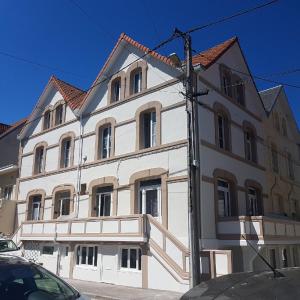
x: 116, y: 228
x: 261, y: 228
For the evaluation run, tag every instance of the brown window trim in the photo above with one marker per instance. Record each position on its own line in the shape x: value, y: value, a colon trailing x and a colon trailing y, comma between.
x: 57, y: 104
x: 139, y: 64
x: 249, y: 183
x: 218, y: 108
x: 30, y: 195
x: 102, y: 124
x: 247, y: 126
x: 229, y: 177
x: 122, y: 76
x: 34, y: 167
x: 103, y: 182
x: 152, y: 105
x: 50, y: 110
x: 59, y: 189
x: 149, y: 174
x: 71, y: 136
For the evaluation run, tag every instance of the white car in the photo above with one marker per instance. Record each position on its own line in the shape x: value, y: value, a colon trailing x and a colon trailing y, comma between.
x: 8, y: 247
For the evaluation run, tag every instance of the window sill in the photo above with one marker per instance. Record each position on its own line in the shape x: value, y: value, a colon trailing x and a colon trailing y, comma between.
x: 87, y: 267
x: 128, y: 270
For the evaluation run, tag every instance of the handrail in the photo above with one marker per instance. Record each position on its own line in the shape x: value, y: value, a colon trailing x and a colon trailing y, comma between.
x: 179, y: 269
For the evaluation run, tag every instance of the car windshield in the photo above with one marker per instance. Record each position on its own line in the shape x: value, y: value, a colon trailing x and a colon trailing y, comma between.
x: 32, y: 282
x: 7, y: 245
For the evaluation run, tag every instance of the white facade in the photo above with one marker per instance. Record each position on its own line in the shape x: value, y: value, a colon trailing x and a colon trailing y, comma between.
x: 85, y: 213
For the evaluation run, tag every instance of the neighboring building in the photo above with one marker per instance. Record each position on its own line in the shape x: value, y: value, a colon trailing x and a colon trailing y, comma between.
x: 103, y: 189
x: 283, y: 177
x: 9, y: 171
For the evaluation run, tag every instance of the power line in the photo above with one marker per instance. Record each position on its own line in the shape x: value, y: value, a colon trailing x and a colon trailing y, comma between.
x: 238, y: 14
x: 37, y: 64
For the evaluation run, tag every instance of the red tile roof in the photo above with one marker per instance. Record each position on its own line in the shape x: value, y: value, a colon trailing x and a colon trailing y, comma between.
x: 3, y: 127
x: 72, y: 95
x: 208, y: 57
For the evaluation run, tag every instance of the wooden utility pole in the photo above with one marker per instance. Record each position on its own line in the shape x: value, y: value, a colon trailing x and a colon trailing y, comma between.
x: 193, y: 161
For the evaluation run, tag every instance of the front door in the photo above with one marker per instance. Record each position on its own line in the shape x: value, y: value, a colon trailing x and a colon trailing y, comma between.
x: 64, y: 260
x: 150, y: 198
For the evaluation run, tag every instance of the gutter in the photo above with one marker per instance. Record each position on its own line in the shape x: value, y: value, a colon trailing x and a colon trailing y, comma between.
x: 8, y: 169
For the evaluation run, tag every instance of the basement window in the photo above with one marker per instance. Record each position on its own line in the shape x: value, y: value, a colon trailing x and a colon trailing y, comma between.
x: 130, y: 259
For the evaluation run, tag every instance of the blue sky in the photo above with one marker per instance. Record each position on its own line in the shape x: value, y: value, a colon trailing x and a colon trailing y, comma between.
x: 56, y: 33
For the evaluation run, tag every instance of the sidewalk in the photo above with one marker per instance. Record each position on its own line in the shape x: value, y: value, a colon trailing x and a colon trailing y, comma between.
x: 97, y: 290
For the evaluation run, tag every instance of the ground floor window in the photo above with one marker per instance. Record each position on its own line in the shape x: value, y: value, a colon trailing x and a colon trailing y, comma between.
x: 131, y: 258
x: 48, y: 250
x: 87, y: 255
x: 273, y: 258
x: 284, y: 258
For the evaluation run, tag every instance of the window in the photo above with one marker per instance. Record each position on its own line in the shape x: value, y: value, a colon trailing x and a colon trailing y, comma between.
x: 116, y: 90
x: 47, y: 120
x: 59, y: 114
x: 284, y: 258
x: 136, y: 81
x: 87, y: 255
x: 224, y: 198
x: 131, y: 258
x: 222, y: 131
x: 273, y: 258
x: 48, y: 250
x: 103, y: 201
x: 105, y: 145
x: 254, y: 202
x: 290, y: 165
x: 150, y: 197
x: 7, y: 192
x: 250, y: 145
x: 276, y: 121
x: 274, y: 155
x: 149, y: 129
x: 284, y: 127
x: 238, y: 89
x: 39, y: 160
x: 66, y: 153
x: 295, y: 256
x: 35, y: 208
x: 62, y: 204
x: 226, y: 81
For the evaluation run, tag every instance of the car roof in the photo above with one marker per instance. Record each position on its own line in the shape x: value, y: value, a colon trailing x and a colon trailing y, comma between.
x: 249, y: 285
x: 6, y: 259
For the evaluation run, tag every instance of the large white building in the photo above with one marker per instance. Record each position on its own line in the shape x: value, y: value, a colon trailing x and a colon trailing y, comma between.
x: 103, y: 188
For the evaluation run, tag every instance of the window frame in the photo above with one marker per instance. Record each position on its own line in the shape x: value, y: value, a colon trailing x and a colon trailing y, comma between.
x: 7, y: 192
x: 68, y: 137
x: 274, y: 159
x: 106, y: 190
x: 57, y: 191
x: 79, y: 256
x: 60, y: 104
x: 47, y: 122
x: 290, y: 166
x: 39, y: 164
x: 138, y: 260
x: 250, y: 144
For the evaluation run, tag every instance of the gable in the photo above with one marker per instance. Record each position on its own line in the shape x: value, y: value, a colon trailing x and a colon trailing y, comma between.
x: 234, y: 59
x: 125, y: 54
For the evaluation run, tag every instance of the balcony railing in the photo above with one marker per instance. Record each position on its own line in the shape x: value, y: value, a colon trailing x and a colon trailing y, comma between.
x: 116, y: 228
x: 259, y: 228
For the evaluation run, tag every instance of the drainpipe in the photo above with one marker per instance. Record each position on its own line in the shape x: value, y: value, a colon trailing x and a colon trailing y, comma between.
x: 79, y: 165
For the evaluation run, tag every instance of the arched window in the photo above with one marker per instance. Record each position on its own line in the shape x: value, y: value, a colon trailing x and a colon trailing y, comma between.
x: 238, y: 90
x: 226, y: 82
x: 63, y: 201
x: 284, y: 127
x: 274, y: 156
x: 222, y: 127
x: 290, y: 166
x: 47, y: 122
x: 35, y: 205
x: 225, y: 194
x: 105, y: 138
x: 148, y: 125
x: 250, y: 142
x: 116, y: 90
x: 59, y: 114
x: 66, y: 150
x: 136, y: 78
x: 254, y: 200
x: 39, y: 158
x: 276, y: 121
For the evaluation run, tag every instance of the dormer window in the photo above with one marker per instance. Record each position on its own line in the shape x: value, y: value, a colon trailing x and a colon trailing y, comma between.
x: 116, y: 90
x: 47, y: 120
x: 136, y: 81
x: 59, y: 114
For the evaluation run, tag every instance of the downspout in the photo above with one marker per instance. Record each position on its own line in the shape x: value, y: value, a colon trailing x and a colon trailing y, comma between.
x: 79, y: 165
